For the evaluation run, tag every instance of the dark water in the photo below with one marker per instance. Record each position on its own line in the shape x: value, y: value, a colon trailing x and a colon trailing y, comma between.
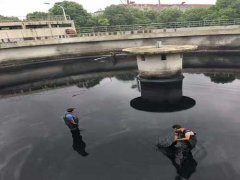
x: 120, y: 140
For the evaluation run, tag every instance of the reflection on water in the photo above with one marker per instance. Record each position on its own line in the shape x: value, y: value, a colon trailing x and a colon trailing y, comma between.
x: 126, y: 76
x: 182, y: 160
x: 221, y: 77
x: 82, y: 81
x: 89, y: 83
x: 78, y: 144
x: 53, y: 69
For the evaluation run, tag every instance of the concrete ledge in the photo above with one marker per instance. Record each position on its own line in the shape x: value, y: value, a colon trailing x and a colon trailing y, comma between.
x: 158, y: 33
x: 205, y: 38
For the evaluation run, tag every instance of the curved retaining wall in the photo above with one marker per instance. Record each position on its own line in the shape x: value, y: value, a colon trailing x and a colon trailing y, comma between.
x: 205, y: 37
x: 32, y: 72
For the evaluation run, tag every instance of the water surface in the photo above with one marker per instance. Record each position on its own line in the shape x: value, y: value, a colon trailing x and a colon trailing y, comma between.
x: 36, y: 144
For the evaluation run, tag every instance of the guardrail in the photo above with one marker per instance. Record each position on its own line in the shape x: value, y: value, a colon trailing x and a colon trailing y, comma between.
x: 140, y: 27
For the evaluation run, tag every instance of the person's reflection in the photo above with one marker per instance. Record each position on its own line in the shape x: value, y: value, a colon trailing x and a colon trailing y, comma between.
x: 182, y: 159
x: 78, y: 144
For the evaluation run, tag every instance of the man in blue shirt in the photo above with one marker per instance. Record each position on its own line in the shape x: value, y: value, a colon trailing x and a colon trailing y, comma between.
x: 70, y: 119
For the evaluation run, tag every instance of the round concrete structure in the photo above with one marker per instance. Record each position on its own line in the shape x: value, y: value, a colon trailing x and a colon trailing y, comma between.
x: 161, y: 49
x: 161, y: 61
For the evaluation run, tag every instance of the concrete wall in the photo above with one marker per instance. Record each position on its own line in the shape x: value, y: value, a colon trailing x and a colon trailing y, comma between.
x: 205, y: 38
x: 32, y: 72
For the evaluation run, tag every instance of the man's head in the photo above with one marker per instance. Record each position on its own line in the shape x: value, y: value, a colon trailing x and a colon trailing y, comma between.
x: 176, y: 127
x: 70, y: 110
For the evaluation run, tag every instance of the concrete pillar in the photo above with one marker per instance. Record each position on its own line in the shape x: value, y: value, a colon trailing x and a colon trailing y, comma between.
x: 160, y: 65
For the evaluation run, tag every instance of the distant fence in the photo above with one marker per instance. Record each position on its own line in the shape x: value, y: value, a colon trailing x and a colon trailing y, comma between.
x: 141, y: 27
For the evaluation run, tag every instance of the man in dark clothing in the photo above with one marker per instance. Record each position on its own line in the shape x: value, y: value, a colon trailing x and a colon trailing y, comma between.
x: 179, y: 152
x: 71, y: 120
x: 184, y: 136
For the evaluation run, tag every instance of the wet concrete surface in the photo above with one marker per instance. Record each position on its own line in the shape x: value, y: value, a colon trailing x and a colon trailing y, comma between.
x: 120, y: 140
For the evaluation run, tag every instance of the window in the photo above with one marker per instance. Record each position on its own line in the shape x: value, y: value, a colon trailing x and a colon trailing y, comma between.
x: 163, y: 57
x: 142, y: 57
x: 36, y: 26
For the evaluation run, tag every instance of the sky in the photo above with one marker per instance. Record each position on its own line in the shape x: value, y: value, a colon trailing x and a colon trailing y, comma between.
x: 20, y: 8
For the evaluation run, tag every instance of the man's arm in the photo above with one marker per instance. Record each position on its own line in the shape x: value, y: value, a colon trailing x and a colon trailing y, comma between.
x: 175, y: 136
x: 187, y: 137
x: 73, y: 122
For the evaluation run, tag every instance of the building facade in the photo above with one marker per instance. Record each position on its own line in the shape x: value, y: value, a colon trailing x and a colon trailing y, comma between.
x: 36, y: 30
x: 159, y: 7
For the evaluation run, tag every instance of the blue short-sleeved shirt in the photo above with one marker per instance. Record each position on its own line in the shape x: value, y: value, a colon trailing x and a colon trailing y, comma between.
x: 69, y: 116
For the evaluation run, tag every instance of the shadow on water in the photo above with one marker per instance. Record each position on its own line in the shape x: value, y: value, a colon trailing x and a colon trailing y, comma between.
x: 140, y: 104
x: 78, y: 144
x: 161, y: 96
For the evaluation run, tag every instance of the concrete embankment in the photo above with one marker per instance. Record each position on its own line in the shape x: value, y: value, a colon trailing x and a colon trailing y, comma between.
x: 211, y: 60
x: 218, y: 37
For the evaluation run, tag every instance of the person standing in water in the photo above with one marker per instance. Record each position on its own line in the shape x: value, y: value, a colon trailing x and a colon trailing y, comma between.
x: 71, y: 120
x: 184, y: 136
x: 179, y: 152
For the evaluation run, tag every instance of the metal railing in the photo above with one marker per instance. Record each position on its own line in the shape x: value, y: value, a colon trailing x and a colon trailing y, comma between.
x: 141, y: 27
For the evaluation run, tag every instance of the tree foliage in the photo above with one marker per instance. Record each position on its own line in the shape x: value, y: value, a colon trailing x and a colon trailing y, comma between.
x: 76, y: 12
x: 100, y: 20
x: 37, y: 15
x: 226, y: 9
x: 125, y: 15
x: 5, y: 18
x: 169, y: 15
x: 119, y: 15
x: 196, y: 14
x: 224, y: 3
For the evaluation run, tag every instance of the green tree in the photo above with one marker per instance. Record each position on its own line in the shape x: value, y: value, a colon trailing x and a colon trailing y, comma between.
x: 212, y: 14
x: 151, y: 16
x: 170, y: 15
x: 139, y: 16
x: 224, y: 3
x: 100, y: 20
x: 225, y: 9
x: 37, y: 15
x: 119, y: 15
x: 77, y: 13
x: 6, y: 18
x: 195, y: 14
